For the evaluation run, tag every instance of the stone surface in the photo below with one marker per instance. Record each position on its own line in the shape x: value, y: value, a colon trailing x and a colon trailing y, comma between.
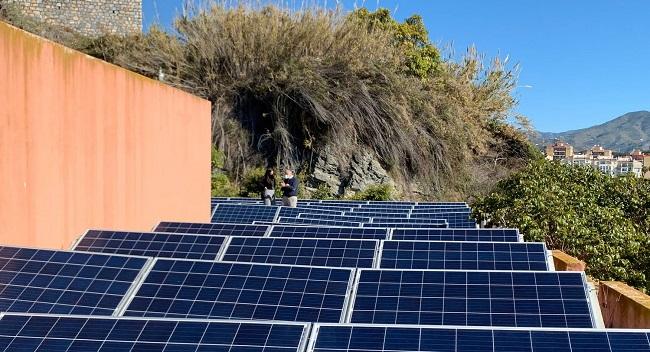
x: 90, y: 17
x: 345, y: 174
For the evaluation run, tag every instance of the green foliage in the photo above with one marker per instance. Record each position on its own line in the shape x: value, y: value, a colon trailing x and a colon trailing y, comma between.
x: 381, y: 192
x: 411, y: 37
x: 250, y: 184
x: 322, y: 192
x: 600, y: 219
x: 218, y: 158
x: 222, y: 186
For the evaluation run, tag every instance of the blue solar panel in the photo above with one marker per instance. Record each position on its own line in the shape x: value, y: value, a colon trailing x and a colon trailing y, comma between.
x: 152, y: 244
x: 368, y: 338
x: 335, y: 217
x: 436, y: 225
x: 57, y: 282
x: 487, y: 235
x: 25, y: 333
x: 243, y: 214
x: 201, y: 289
x: 406, y: 221
x: 462, y: 216
x: 423, y: 212
x: 283, y: 220
x: 303, y: 251
x: 463, y: 255
x: 213, y: 229
x: 473, y: 298
x: 378, y: 214
x: 293, y: 212
x: 329, y: 232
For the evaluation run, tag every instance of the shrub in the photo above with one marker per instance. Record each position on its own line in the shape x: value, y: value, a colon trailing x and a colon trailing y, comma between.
x: 222, y: 186
x: 250, y: 184
x: 322, y: 192
x: 381, y: 192
x: 600, y: 219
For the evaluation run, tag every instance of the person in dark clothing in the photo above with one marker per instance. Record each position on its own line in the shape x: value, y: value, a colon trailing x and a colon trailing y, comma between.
x: 289, y: 189
x: 267, y: 187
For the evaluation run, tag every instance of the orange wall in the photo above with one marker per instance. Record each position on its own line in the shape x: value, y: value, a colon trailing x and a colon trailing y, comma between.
x: 85, y: 144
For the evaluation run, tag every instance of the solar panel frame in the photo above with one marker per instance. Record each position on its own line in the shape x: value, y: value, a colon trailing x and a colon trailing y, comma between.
x: 233, y: 213
x: 307, y: 221
x: 56, y: 333
x: 463, y: 255
x: 160, y: 283
x: 215, y: 229
x: 500, y: 290
x: 151, y: 244
x: 455, y: 234
x: 70, y: 282
x: 360, y: 219
x: 379, y: 214
x: 293, y: 212
x: 345, y: 253
x: 329, y: 232
x: 380, y: 221
x: 326, y: 337
x: 438, y: 225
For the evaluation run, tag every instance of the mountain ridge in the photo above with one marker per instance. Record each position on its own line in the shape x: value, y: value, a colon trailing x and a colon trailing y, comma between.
x: 622, y: 134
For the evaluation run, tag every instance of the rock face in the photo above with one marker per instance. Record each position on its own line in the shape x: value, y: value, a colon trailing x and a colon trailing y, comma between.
x: 348, y: 175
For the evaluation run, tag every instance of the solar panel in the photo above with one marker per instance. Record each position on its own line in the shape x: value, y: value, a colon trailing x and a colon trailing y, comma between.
x: 463, y: 216
x: 436, y: 225
x: 152, y: 244
x: 369, y: 338
x: 212, y: 229
x: 407, y: 221
x: 463, y: 255
x: 436, y: 210
x: 329, y: 232
x: 303, y: 251
x: 476, y: 298
x: 283, y: 220
x: 487, y: 235
x: 335, y: 217
x: 58, y: 282
x: 201, y: 289
x: 379, y: 214
x: 243, y: 214
x: 31, y: 333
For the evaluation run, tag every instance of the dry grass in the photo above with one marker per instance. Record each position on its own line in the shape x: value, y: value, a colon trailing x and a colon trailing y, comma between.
x: 285, y: 84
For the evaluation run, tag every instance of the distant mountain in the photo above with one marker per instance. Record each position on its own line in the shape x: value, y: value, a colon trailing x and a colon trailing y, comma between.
x: 622, y: 134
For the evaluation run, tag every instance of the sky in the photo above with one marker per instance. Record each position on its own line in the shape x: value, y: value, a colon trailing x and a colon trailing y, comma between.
x: 582, y: 62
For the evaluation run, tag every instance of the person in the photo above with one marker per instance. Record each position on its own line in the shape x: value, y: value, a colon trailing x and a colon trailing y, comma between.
x: 267, y: 187
x: 289, y: 189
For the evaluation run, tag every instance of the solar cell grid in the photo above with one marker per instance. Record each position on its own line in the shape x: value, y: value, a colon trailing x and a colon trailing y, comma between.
x: 303, y: 251
x: 58, y: 282
x: 474, y: 298
x: 243, y: 214
x: 340, y: 338
x: 294, y: 212
x: 213, y: 229
x: 151, y: 244
x: 464, y: 216
x: 329, y: 232
x: 287, y: 220
x: 463, y: 255
x: 441, y: 210
x: 407, y: 221
x: 335, y: 217
x: 387, y: 213
x: 198, y: 289
x: 487, y: 235
x: 91, y: 334
x: 436, y: 225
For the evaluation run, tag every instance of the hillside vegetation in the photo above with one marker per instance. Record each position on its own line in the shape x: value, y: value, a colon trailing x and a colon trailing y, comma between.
x: 600, y: 219
x: 623, y: 134
x: 288, y: 85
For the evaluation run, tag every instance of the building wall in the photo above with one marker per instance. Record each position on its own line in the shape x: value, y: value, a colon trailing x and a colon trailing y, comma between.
x: 85, y: 144
x: 92, y: 17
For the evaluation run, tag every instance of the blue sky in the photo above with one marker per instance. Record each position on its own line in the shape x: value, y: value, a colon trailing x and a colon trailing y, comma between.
x: 583, y: 62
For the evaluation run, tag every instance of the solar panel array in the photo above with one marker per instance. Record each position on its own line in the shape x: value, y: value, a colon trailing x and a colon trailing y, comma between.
x: 56, y: 282
x: 369, y: 276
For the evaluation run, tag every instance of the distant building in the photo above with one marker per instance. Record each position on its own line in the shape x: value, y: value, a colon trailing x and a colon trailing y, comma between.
x: 600, y: 158
x: 89, y: 17
x: 638, y: 155
x: 559, y: 151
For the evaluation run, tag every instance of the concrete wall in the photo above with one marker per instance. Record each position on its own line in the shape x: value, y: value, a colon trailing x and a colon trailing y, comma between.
x: 85, y: 144
x: 623, y: 306
x: 565, y: 262
x: 91, y: 17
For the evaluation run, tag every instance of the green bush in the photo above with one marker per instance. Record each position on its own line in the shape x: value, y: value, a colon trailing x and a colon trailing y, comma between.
x: 222, y: 186
x: 250, y: 184
x: 600, y: 219
x: 322, y: 192
x: 381, y: 192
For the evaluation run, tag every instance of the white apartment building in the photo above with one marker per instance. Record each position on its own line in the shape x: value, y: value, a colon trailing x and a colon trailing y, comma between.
x: 614, y: 166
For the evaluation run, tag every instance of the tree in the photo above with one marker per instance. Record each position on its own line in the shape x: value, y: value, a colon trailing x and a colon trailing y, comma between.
x: 600, y: 219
